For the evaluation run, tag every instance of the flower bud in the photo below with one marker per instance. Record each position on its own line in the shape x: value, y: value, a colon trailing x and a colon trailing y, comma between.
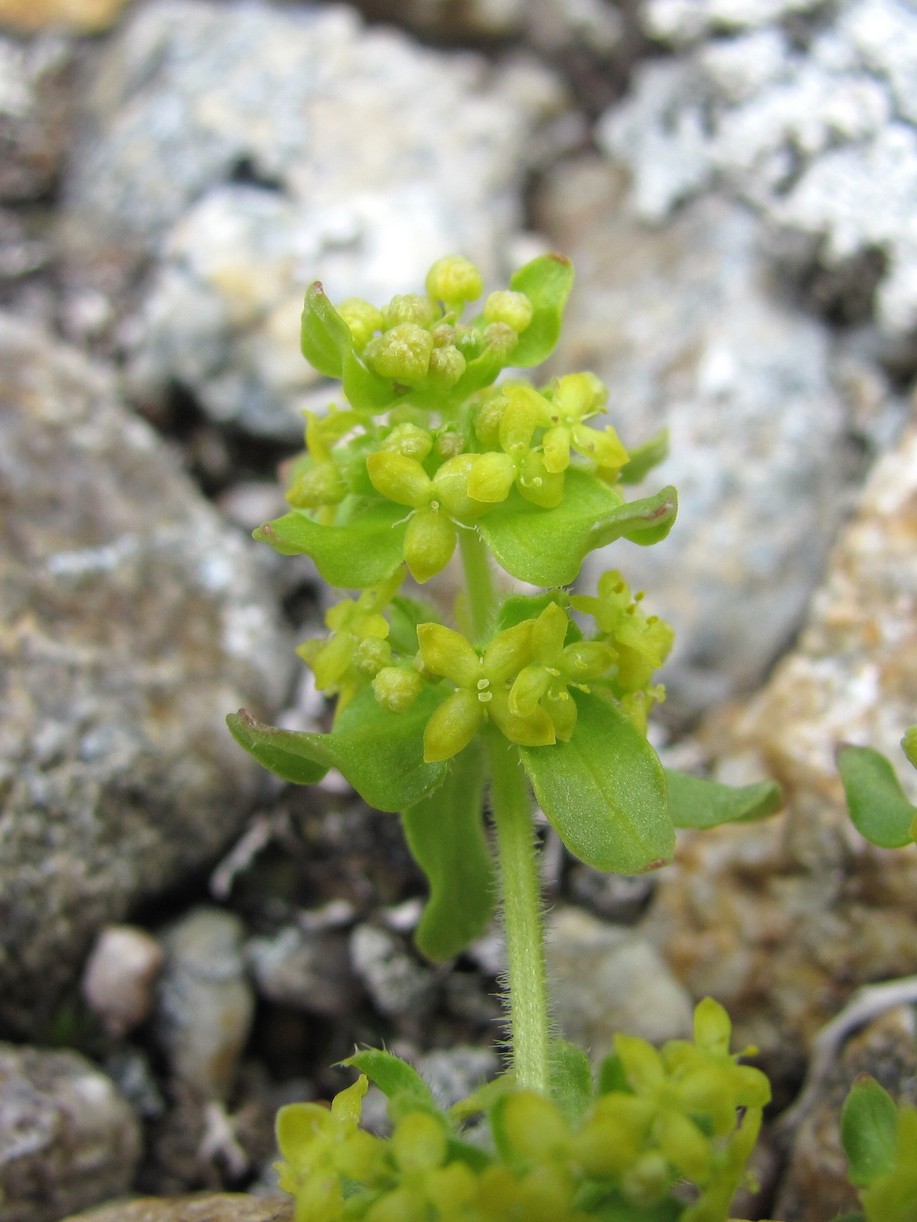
x: 501, y: 337
x: 319, y: 484
x: 469, y: 342
x: 454, y: 280
x: 514, y: 309
x: 396, y: 688
x: 410, y: 440
x: 409, y: 307
x: 428, y: 544
x: 371, y: 654
x: 446, y: 366
x: 362, y: 318
x: 402, y: 353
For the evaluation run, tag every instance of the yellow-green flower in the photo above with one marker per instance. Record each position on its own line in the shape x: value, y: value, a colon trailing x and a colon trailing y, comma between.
x: 573, y: 400
x: 482, y: 684
x: 555, y: 667
x: 357, y: 647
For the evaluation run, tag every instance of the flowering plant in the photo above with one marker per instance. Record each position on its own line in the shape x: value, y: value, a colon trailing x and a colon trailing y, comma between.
x: 511, y: 697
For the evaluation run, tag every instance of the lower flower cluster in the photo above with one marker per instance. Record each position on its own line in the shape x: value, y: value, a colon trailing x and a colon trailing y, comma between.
x: 520, y: 681
x: 665, y: 1135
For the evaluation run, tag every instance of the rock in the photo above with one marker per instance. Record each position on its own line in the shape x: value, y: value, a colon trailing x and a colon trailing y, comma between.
x: 812, y: 122
x: 119, y: 977
x: 606, y: 979
x: 133, y: 621
x: 781, y: 921
x: 85, y: 16
x: 815, y: 1185
x: 67, y: 1138
x: 687, y: 329
x: 35, y: 114
x: 395, y: 981
x: 205, y: 1005
x: 201, y: 1207
x: 308, y: 971
x: 369, y: 158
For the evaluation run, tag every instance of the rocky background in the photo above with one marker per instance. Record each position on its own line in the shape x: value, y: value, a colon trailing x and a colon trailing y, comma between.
x: 185, y: 944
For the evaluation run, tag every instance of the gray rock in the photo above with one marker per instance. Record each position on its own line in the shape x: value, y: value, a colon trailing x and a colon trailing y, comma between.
x: 687, y: 329
x: 133, y: 621
x: 309, y: 971
x: 683, y: 21
x: 35, y: 114
x: 815, y: 128
x: 206, y: 1003
x: 368, y: 158
x: 397, y: 983
x: 67, y: 1138
x: 605, y: 979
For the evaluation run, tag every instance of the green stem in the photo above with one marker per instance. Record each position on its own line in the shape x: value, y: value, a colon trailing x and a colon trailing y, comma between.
x: 479, y: 584
x: 528, y: 996
x: 511, y: 806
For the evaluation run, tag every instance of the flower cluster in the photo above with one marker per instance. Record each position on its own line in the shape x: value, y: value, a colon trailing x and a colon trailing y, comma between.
x: 430, y: 432
x: 687, y: 1114
x: 521, y: 680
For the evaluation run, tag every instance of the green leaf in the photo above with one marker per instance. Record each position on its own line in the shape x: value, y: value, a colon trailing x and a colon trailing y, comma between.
x: 646, y: 521
x: 395, y: 1078
x: 445, y: 833
x: 869, y: 1132
x: 570, y: 1083
x: 380, y: 753
x: 547, y: 282
x: 645, y: 457
x: 280, y: 751
x: 878, y: 805
x: 604, y: 791
x: 546, y: 546
x: 362, y: 553
x: 324, y: 336
x: 909, y: 745
x: 694, y: 802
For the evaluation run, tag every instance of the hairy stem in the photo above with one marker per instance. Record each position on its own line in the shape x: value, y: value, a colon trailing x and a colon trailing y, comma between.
x: 511, y: 805
x: 528, y: 999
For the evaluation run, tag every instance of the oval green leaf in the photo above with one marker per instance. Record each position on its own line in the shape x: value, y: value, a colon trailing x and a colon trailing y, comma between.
x: 699, y: 803
x: 604, y: 791
x: 878, y: 805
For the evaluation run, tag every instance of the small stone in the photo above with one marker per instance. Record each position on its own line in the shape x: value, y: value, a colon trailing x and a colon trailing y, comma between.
x: 67, y: 1138
x: 206, y: 1003
x: 119, y: 977
x: 605, y: 979
x: 396, y: 982
x: 308, y: 971
x: 204, y: 1207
